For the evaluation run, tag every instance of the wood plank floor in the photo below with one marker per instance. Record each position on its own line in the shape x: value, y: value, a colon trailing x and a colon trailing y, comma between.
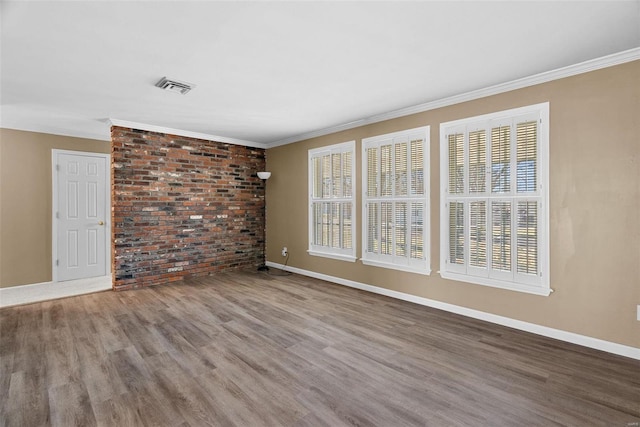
x: 250, y: 349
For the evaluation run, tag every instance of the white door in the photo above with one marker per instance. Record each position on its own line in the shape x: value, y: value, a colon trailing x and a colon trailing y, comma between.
x: 80, y: 215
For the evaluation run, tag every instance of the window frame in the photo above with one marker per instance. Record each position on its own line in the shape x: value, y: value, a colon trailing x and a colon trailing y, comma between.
x: 395, y: 262
x: 328, y: 251
x: 539, y: 283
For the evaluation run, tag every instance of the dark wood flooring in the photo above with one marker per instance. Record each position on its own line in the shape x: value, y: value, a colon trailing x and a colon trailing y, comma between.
x: 249, y: 349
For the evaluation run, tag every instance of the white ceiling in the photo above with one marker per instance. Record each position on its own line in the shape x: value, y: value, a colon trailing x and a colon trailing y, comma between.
x: 269, y: 72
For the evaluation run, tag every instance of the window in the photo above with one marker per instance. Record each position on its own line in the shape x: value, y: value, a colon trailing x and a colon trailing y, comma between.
x: 332, y: 201
x: 494, y: 198
x: 395, y: 200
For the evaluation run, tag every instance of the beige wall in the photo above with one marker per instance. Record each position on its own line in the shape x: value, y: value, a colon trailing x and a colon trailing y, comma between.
x: 594, y: 208
x: 25, y: 202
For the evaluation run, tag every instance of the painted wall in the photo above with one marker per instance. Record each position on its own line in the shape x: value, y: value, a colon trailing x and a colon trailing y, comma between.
x: 183, y: 207
x: 594, y: 207
x: 26, y: 202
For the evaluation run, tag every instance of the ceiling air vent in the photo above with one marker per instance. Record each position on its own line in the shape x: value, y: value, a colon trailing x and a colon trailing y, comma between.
x: 174, y: 85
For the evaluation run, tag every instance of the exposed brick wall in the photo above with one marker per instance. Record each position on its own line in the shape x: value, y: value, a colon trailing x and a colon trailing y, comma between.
x: 159, y: 182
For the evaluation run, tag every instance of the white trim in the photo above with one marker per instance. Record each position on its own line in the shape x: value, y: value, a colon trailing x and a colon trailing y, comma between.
x: 547, y: 76
x: 54, y: 207
x: 571, y: 337
x: 185, y: 133
x: 534, y: 284
x: 493, y: 283
x: 426, y: 271
x: 27, y: 294
x: 339, y: 257
x: 343, y: 254
x: 420, y: 266
x: 544, y: 77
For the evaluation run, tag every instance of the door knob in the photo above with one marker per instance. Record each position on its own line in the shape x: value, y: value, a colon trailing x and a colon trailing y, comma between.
x: 100, y: 222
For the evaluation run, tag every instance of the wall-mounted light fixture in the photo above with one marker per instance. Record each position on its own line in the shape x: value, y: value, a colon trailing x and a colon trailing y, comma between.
x: 264, y: 175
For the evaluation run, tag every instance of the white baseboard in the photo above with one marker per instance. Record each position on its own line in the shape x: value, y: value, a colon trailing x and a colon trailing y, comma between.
x: 583, y: 340
x: 26, y: 294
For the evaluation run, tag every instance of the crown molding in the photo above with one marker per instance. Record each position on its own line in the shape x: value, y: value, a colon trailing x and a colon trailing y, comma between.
x: 547, y: 76
x: 185, y: 133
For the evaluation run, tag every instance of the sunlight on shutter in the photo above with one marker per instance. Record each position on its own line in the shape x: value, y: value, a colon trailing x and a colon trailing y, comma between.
x: 456, y: 233
x: 347, y: 237
x: 494, y: 216
x: 326, y: 224
x: 401, y: 169
x: 501, y: 236
x: 456, y: 163
x: 478, y: 234
x: 335, y: 225
x: 501, y: 159
x: 527, y: 241
x: 394, y: 200
x: 347, y: 186
x: 317, y: 223
x: 373, y: 244
x: 317, y: 177
x: 372, y: 172
x: 326, y: 176
x: 386, y: 180
x: 527, y: 155
x: 331, y: 200
x: 477, y: 161
x: 401, y: 229
x: 417, y: 167
x: 386, y: 232
x: 336, y: 174
x: 417, y: 230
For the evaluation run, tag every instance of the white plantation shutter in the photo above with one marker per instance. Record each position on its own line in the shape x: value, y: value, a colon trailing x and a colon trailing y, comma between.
x: 477, y: 161
x: 456, y: 233
x: 527, y: 241
x: 456, y: 163
x: 401, y: 177
x: 501, y: 159
x: 501, y: 236
x: 527, y: 156
x: 373, y: 228
x: 417, y: 242
x: 332, y: 201
x: 347, y: 174
x: 401, y: 228
x: 385, y: 171
x: 386, y: 224
x: 395, y: 201
x: 478, y: 234
x: 527, y: 208
x: 494, y: 201
x: 416, y: 176
x: 372, y: 171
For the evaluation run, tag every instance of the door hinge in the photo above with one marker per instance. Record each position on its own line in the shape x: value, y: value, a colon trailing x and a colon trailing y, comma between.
x: 57, y: 262
x: 58, y: 215
x: 57, y: 167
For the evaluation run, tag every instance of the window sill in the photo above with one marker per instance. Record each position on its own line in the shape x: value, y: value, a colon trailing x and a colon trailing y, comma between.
x: 340, y: 257
x: 529, y: 289
x: 406, y: 268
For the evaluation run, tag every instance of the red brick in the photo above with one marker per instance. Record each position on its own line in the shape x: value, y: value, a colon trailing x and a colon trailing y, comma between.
x: 153, y: 201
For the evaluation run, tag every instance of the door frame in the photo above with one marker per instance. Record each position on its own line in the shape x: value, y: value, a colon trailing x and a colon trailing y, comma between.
x: 54, y: 208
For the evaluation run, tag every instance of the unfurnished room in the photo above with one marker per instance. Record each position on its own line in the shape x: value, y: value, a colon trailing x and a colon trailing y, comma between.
x: 320, y: 213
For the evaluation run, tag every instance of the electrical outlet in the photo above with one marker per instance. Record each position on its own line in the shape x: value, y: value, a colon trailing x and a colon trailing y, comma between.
x: 638, y: 313
x: 285, y: 251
